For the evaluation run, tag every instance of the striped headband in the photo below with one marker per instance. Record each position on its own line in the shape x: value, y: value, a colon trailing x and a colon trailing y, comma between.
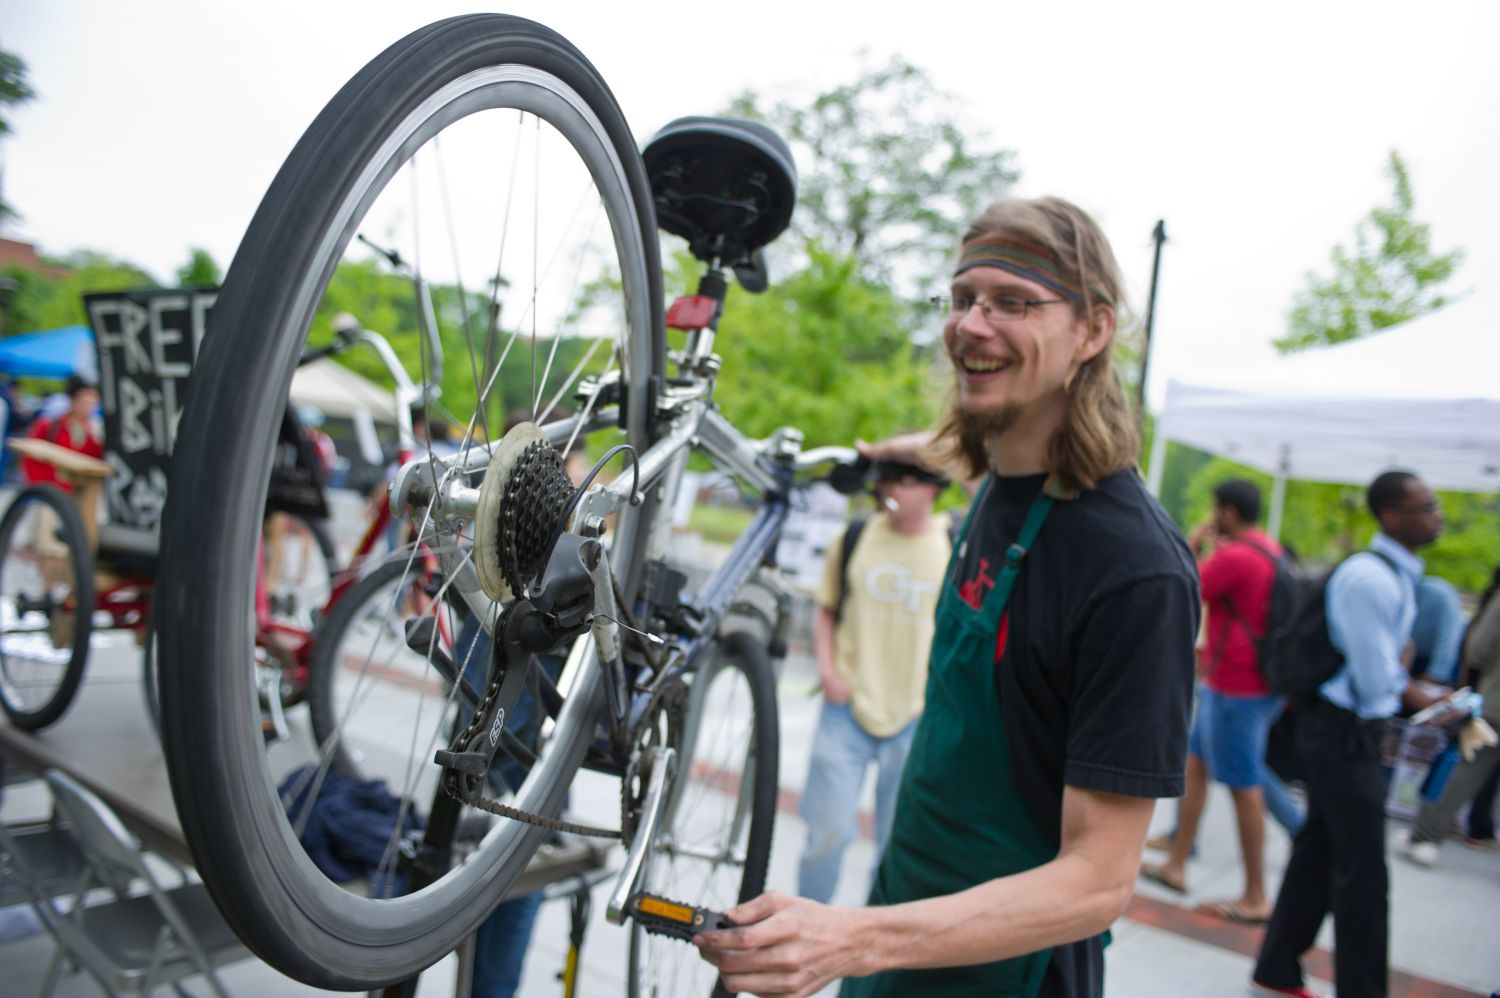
x: 1023, y: 260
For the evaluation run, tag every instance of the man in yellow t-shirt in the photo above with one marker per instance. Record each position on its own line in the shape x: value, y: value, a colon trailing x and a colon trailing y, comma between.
x: 871, y: 636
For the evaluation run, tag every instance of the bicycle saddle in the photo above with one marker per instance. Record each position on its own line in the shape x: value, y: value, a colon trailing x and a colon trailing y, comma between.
x: 726, y: 185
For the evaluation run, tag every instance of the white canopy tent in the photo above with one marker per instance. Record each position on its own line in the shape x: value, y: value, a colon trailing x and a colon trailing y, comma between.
x: 1424, y: 395
x: 339, y: 392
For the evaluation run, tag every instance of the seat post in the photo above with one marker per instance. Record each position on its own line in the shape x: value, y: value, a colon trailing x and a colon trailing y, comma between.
x: 714, y: 287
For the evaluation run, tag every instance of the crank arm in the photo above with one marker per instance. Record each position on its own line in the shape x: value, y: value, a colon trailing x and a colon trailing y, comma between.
x: 662, y: 767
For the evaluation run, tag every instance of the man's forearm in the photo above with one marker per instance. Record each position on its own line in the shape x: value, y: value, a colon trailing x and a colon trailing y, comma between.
x: 1059, y: 902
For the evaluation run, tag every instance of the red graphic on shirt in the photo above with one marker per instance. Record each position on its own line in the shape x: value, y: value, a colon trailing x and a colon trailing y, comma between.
x: 1004, y: 634
x: 973, y: 591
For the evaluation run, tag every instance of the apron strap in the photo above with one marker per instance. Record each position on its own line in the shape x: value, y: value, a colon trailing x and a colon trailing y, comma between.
x: 1016, y: 553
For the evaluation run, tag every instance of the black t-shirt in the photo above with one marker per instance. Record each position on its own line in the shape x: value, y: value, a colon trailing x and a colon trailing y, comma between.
x: 1094, y: 658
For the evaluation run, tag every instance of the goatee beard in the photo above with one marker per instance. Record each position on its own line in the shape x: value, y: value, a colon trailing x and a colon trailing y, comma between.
x: 977, y: 427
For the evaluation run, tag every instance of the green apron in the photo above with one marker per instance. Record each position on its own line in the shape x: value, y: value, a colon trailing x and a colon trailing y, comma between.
x: 960, y: 820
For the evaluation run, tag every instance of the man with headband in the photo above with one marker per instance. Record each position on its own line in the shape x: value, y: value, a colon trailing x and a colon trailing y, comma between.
x: 871, y: 632
x: 1061, y: 669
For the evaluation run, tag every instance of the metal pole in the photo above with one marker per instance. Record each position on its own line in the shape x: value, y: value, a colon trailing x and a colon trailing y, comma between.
x: 1278, y: 493
x: 1159, y: 236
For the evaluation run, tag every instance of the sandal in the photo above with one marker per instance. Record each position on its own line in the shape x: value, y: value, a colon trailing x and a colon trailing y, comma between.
x: 1157, y: 874
x: 1232, y: 911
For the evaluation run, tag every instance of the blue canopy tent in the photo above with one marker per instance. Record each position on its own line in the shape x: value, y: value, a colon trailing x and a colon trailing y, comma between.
x: 52, y: 353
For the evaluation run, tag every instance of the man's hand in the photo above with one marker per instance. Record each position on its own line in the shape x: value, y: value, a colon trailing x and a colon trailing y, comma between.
x: 836, y: 689
x: 1202, y: 539
x: 785, y: 945
x: 907, y: 448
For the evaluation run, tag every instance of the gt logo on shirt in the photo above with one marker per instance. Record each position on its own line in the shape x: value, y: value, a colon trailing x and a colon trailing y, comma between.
x: 890, y: 582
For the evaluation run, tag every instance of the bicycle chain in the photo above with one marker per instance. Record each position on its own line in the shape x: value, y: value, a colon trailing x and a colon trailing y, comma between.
x: 668, y: 698
x: 536, y: 495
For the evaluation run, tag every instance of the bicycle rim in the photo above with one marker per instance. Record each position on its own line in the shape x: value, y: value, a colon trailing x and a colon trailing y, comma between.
x: 528, y: 109
x: 715, y: 845
x: 46, y: 606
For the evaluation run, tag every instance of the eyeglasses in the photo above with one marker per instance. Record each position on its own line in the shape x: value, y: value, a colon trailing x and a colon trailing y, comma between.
x: 995, y: 309
x: 1430, y: 506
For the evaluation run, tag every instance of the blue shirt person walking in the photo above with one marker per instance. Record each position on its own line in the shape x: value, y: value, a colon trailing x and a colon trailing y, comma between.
x: 1338, y: 860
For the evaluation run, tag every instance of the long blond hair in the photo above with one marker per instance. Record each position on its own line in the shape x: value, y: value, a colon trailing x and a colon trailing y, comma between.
x: 1098, y: 436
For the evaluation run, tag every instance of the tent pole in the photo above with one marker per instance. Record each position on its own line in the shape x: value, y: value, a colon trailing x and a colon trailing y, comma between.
x: 1278, y: 494
x: 1158, y: 458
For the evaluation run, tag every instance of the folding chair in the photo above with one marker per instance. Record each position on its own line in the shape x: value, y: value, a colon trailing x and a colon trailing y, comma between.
x: 131, y: 943
x: 38, y: 860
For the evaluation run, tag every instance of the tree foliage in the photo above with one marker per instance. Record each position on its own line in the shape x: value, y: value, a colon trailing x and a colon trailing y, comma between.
x: 1392, y: 274
x: 52, y: 298
x: 890, y: 174
x: 386, y: 302
x: 824, y: 350
x: 200, y: 270
x: 15, y: 90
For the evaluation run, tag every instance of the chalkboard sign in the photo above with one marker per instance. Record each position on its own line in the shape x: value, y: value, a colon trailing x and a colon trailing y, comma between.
x: 147, y: 343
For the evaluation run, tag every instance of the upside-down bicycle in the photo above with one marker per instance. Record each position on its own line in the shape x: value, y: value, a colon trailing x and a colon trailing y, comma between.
x: 657, y: 687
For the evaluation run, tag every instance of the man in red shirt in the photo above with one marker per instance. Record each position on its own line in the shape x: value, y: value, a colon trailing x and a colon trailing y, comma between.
x: 77, y: 429
x: 1235, y: 709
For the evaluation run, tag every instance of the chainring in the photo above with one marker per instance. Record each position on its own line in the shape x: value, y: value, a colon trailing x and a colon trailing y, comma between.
x: 659, y: 726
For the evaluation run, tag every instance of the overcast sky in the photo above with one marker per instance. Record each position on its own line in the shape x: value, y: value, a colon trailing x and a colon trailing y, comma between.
x: 1258, y: 132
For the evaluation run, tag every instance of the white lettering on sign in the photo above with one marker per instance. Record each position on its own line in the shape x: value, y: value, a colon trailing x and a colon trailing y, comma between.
x: 163, y: 335
x: 133, y: 404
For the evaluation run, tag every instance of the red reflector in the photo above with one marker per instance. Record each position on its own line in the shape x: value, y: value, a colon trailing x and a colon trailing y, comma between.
x: 691, y: 312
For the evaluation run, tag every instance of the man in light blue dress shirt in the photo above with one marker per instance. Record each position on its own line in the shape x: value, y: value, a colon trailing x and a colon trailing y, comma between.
x: 1338, y: 860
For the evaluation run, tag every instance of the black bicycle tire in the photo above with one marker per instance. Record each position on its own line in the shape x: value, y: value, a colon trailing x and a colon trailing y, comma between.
x: 322, y: 532
x: 72, y: 523
x: 83, y: 572
x: 260, y: 880
x: 322, y: 671
x: 745, y: 651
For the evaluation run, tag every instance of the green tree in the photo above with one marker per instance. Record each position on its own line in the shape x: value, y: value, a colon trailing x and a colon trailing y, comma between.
x: 53, y: 298
x: 890, y: 174
x: 824, y: 350
x: 15, y: 90
x: 385, y: 302
x: 1391, y: 275
x: 200, y: 270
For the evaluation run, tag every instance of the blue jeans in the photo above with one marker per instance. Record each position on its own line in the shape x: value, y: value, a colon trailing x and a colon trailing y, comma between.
x: 830, y: 801
x: 1229, y: 735
x: 1283, y: 807
x: 500, y: 947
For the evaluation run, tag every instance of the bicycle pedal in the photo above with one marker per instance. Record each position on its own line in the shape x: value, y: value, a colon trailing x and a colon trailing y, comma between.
x: 663, y: 917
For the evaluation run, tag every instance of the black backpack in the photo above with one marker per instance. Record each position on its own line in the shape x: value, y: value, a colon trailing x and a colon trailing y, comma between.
x: 1296, y: 653
x: 851, y: 538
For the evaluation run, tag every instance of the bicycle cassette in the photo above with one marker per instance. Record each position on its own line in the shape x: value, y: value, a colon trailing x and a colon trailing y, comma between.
x: 520, y: 513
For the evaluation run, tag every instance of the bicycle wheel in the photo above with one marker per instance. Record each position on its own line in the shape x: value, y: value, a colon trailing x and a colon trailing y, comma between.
x: 362, y: 671
x: 714, y: 844
x: 46, y: 605
x: 507, y: 104
x: 301, y: 560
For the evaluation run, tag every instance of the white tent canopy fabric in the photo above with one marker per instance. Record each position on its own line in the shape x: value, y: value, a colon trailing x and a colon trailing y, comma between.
x: 339, y: 392
x: 1423, y: 395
